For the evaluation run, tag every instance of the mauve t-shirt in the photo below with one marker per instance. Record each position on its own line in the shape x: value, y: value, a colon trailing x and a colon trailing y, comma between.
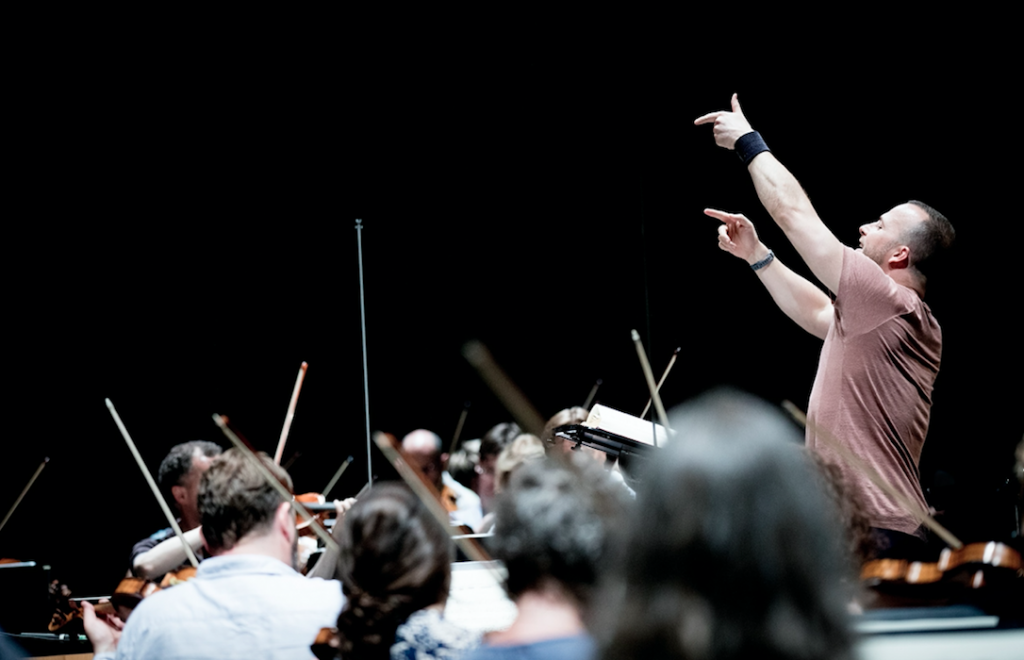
x: 873, y: 389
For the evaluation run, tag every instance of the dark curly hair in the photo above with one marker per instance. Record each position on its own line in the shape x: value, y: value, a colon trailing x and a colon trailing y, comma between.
x: 553, y: 524
x: 395, y: 560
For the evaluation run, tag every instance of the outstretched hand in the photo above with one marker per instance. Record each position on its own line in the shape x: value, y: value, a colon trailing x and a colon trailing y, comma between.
x: 103, y: 631
x: 728, y: 126
x: 737, y: 236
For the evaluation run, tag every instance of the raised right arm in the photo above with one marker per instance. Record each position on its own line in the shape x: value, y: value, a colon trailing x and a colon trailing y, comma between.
x: 796, y: 296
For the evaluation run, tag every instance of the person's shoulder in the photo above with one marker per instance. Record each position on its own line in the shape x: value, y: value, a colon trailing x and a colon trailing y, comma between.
x: 576, y: 647
x: 426, y: 633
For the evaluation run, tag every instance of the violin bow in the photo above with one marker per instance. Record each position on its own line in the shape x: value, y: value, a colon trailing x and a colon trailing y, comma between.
x: 874, y: 477
x: 511, y: 396
x: 458, y: 429
x: 221, y: 422
x: 593, y: 393
x: 646, y: 366
x: 671, y: 363
x: 337, y: 475
x: 152, y: 485
x: 24, y: 491
x: 291, y: 414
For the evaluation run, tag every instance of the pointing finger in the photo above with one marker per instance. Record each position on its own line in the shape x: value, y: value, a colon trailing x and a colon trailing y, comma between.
x: 722, y: 215
x: 708, y: 118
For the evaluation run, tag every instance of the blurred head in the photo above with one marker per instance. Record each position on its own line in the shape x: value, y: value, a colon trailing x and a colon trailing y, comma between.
x: 574, y: 415
x: 423, y: 449
x: 734, y: 551
x: 526, y: 447
x: 462, y: 463
x: 395, y: 559
x: 237, y: 504
x: 553, y: 524
x: 496, y: 439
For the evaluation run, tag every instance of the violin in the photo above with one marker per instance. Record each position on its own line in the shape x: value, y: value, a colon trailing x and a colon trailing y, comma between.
x: 981, y: 556
x: 130, y: 591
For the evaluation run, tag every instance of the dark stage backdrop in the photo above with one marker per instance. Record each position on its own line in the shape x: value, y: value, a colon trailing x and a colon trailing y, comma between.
x: 184, y: 237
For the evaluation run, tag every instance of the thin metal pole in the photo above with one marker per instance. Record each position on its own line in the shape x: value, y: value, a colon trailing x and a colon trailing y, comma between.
x: 366, y: 373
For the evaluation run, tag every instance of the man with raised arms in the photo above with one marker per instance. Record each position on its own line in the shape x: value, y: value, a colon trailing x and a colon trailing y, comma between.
x: 882, y: 345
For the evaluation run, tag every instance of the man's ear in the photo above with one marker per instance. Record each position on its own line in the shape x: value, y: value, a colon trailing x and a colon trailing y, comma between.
x: 899, y: 257
x: 180, y: 495
x: 284, y: 520
x: 444, y: 461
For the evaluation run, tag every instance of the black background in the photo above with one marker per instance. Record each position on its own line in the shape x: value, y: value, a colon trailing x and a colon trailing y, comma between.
x: 182, y: 236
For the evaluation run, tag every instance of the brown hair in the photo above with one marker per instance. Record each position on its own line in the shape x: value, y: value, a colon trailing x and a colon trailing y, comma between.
x: 395, y: 559
x: 235, y: 499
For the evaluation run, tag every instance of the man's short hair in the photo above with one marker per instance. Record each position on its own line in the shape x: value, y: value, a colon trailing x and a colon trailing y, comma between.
x: 553, y: 525
x: 929, y: 238
x: 178, y: 463
x: 500, y: 436
x: 235, y: 499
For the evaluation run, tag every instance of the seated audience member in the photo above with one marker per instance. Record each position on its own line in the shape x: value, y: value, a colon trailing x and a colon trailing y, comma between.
x: 734, y: 550
x: 395, y: 570
x: 246, y: 601
x: 423, y: 448
x: 551, y: 532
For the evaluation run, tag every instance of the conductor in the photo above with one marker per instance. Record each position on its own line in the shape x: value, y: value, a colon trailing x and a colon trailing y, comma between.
x: 873, y: 388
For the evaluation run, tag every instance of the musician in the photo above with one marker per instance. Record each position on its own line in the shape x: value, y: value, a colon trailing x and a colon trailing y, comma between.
x: 552, y: 531
x: 246, y: 601
x: 873, y: 389
x: 494, y: 441
x: 423, y: 448
x: 733, y: 551
x: 178, y: 479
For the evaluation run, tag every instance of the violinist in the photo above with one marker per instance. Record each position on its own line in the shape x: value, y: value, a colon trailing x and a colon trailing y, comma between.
x: 178, y: 478
x: 423, y: 448
x: 247, y: 600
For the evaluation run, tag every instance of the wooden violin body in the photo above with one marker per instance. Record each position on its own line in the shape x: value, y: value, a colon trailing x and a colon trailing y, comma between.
x: 127, y: 595
x: 989, y: 573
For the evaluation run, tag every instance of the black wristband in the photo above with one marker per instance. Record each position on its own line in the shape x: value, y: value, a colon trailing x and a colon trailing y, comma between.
x: 749, y: 145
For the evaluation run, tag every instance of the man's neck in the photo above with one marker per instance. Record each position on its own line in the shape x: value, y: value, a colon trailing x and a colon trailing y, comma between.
x: 908, y: 278
x: 265, y: 545
x: 542, y: 615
